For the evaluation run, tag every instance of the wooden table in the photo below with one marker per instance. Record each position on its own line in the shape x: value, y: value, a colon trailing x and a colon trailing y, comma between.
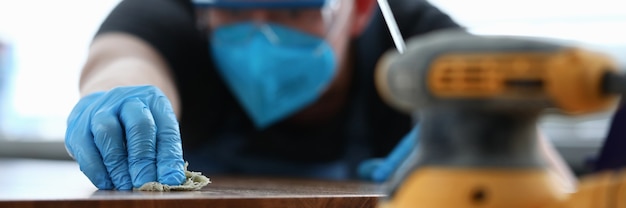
x: 41, y: 183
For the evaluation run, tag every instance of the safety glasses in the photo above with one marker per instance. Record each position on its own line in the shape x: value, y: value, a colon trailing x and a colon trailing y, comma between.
x: 312, y: 17
x: 260, y: 3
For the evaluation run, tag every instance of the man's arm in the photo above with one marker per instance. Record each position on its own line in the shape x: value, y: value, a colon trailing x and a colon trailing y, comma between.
x: 124, y: 130
x: 121, y: 134
x: 140, y: 43
x: 118, y: 59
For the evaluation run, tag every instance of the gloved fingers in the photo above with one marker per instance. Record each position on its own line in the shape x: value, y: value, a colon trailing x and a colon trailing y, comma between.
x: 367, y: 167
x: 170, y: 163
x: 91, y: 165
x: 109, y: 139
x: 140, y: 131
x: 79, y: 143
x: 88, y: 158
x: 380, y: 170
x: 399, y: 154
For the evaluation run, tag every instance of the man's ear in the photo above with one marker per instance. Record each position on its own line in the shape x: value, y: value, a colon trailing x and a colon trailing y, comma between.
x: 363, y: 12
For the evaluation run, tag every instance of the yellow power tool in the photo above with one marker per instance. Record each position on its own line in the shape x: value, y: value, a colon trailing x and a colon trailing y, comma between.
x: 477, y: 99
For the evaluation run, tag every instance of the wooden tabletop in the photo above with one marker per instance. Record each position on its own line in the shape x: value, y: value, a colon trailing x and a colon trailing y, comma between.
x: 42, y: 183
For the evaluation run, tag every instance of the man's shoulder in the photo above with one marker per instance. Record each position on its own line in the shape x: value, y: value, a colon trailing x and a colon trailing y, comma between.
x: 416, y: 17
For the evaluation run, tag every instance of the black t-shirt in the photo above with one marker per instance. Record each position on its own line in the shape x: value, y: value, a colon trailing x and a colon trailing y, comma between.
x: 209, y: 110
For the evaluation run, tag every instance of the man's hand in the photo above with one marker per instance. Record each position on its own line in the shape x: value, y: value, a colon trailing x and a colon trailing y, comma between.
x: 126, y: 137
x: 381, y: 169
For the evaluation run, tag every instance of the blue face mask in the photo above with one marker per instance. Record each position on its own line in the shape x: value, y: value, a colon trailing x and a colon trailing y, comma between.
x: 272, y: 70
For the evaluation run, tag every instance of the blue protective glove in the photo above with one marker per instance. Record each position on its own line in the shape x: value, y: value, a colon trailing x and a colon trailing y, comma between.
x: 380, y: 169
x: 126, y: 137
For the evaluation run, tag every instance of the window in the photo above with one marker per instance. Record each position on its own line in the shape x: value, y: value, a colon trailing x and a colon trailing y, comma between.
x: 45, y: 44
x: 598, y: 24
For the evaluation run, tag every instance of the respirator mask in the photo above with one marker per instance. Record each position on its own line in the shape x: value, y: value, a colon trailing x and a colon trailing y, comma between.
x: 274, y: 55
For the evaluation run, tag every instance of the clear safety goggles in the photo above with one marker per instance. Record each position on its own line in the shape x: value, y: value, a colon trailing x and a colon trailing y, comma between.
x: 314, y: 17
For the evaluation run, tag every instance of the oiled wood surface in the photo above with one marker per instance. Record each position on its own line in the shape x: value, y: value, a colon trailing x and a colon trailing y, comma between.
x: 40, y: 183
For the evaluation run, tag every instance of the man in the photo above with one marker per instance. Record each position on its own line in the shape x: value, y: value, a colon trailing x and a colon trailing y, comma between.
x: 276, y: 87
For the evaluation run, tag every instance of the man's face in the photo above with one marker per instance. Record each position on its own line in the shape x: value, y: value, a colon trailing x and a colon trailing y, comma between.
x: 329, y: 23
x: 334, y: 23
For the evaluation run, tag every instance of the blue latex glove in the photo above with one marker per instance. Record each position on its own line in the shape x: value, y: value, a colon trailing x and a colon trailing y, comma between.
x: 380, y: 169
x: 126, y: 137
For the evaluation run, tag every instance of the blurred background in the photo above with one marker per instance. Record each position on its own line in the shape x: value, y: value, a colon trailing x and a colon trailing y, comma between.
x: 43, y: 47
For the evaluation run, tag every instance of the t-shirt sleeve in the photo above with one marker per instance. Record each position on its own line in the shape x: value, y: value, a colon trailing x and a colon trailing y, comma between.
x: 169, y: 26
x: 419, y: 16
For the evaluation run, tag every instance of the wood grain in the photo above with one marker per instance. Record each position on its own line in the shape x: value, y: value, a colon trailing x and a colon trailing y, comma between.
x: 61, y: 184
